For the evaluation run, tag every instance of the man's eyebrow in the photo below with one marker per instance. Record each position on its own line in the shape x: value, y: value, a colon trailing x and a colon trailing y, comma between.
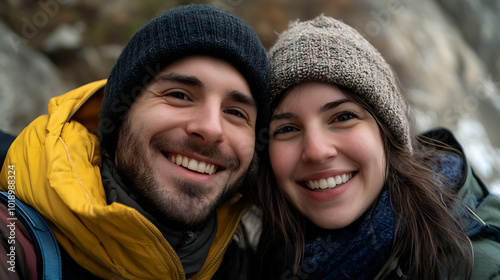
x: 180, y: 78
x: 242, y: 98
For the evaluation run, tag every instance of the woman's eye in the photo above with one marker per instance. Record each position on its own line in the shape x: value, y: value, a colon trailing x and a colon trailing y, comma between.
x: 344, y: 117
x: 284, y: 129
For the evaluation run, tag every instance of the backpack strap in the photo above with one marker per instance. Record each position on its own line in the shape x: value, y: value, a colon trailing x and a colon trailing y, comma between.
x: 5, y: 142
x: 48, y: 255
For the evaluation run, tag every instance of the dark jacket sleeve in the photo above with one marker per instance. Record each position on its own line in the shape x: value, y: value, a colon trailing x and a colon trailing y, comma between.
x: 484, y: 213
x: 479, y: 210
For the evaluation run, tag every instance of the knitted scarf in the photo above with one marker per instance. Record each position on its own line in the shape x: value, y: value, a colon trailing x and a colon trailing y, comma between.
x: 357, y: 251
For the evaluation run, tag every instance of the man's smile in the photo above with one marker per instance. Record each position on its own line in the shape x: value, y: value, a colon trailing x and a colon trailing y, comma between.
x: 193, y: 164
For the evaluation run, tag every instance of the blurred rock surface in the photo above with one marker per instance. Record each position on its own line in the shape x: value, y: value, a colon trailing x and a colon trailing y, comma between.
x: 27, y: 81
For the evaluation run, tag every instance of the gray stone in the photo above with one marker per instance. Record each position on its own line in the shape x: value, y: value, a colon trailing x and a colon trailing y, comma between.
x: 27, y: 81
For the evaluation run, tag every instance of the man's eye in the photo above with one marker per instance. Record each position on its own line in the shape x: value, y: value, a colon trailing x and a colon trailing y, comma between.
x: 236, y: 113
x: 178, y: 95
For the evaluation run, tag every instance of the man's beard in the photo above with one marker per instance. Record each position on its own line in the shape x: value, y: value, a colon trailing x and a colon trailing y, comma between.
x: 182, y: 204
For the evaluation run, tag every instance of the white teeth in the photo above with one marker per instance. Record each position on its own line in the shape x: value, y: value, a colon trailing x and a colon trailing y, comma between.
x: 192, y: 164
x: 323, y: 184
x: 338, y: 180
x: 201, y: 167
x: 329, y: 183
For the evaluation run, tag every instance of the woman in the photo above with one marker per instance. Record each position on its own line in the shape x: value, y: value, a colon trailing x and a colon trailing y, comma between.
x: 349, y: 192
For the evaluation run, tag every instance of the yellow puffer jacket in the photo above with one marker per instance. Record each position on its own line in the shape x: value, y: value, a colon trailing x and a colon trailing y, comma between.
x: 57, y: 167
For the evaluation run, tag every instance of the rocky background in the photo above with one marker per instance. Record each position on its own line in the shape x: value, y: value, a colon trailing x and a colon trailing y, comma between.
x: 445, y: 52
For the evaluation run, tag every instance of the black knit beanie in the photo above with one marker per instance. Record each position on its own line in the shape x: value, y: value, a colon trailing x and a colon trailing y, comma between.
x: 177, y: 33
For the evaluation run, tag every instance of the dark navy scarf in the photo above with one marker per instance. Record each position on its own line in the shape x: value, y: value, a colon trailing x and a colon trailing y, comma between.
x: 357, y: 251
x: 360, y: 250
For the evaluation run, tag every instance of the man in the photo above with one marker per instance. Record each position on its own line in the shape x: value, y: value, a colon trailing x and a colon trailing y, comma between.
x: 155, y: 194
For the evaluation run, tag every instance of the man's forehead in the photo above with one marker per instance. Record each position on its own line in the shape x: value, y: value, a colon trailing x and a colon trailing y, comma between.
x: 189, y: 71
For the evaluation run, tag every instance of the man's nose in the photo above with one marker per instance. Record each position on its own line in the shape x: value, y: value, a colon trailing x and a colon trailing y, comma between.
x: 205, y: 125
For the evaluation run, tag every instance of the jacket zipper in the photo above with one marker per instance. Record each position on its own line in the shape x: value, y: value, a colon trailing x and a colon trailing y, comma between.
x: 166, y: 246
x: 475, y: 215
x: 221, y: 249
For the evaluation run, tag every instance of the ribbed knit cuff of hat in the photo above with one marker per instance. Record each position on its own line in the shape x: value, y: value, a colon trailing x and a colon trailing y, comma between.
x: 327, y: 50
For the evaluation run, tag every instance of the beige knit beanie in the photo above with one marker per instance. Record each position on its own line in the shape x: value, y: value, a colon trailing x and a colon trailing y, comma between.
x: 327, y: 50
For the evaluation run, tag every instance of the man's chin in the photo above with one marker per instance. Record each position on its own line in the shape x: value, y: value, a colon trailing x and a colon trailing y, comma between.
x: 178, y: 202
x: 192, y: 211
x: 187, y: 213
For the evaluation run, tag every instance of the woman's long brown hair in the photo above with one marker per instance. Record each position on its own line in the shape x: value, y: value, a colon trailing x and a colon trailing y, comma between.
x: 430, y: 243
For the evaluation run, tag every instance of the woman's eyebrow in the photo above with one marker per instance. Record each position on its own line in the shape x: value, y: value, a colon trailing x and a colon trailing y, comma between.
x: 284, y: 116
x: 332, y: 105
x: 322, y: 109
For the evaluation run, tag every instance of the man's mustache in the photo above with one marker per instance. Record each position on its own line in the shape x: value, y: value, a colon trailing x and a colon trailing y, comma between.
x: 187, y: 145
